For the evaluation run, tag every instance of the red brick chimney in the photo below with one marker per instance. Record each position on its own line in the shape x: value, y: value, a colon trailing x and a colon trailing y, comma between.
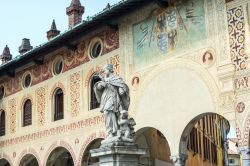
x: 75, y: 12
x: 53, y: 32
x: 6, y: 56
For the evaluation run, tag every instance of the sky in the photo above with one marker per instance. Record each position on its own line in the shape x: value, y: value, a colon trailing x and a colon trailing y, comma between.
x: 32, y: 19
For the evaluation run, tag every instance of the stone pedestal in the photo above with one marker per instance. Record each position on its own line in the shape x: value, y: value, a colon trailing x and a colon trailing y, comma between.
x: 118, y: 154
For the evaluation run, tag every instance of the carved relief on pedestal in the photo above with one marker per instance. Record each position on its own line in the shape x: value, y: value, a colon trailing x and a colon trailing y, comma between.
x: 41, y: 104
x: 75, y: 82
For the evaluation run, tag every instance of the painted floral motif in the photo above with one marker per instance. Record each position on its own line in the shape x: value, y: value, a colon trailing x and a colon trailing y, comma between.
x: 75, y: 94
x: 12, y: 109
x: 41, y: 103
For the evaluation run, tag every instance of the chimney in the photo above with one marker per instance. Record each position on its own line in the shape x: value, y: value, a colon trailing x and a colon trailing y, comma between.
x: 53, y: 32
x: 6, y: 56
x: 75, y: 12
x: 25, y: 46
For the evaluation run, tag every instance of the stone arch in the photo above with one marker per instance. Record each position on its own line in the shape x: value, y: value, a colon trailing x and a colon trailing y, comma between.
x: 58, y: 85
x: 86, y: 158
x: 197, y: 68
x: 30, y: 159
x: 21, y: 107
x: 24, y: 99
x: 86, y: 143
x: 29, y: 151
x: 6, y: 157
x: 90, y: 74
x: 60, y: 144
x: 93, y: 103
x: 3, y: 122
x: 188, y: 128
x: 182, y: 87
x: 158, y: 149
x: 55, y: 88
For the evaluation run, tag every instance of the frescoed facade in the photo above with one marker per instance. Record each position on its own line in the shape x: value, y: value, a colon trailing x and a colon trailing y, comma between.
x: 185, y: 62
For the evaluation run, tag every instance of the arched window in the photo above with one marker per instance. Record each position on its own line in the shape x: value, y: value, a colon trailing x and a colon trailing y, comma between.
x: 27, y: 113
x: 2, y: 123
x: 93, y: 101
x: 58, y: 107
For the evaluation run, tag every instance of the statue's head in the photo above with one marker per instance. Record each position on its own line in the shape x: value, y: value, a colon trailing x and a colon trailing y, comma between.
x: 107, y: 69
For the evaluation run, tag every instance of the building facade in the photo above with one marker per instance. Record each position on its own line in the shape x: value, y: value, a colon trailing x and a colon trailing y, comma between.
x: 186, y: 64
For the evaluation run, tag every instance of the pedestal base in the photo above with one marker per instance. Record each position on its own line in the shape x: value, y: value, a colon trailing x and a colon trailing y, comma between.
x: 116, y: 155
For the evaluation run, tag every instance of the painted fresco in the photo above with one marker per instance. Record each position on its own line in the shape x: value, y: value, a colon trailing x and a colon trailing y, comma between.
x: 169, y: 31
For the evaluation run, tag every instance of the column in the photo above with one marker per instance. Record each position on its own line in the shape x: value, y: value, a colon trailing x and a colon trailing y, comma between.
x: 245, y: 156
x: 179, y: 160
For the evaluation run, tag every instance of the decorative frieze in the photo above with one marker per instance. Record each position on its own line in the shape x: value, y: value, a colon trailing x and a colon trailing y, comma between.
x: 53, y: 131
x: 71, y: 57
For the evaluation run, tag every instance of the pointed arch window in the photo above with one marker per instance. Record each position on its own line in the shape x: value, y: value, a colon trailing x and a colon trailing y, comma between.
x: 2, y: 123
x: 27, y: 113
x: 93, y: 101
x: 58, y: 105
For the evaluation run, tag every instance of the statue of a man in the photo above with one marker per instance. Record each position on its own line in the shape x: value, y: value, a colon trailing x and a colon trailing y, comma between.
x: 113, y: 95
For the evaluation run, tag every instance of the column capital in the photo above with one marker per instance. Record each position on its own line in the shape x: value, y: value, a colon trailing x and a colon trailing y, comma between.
x: 245, y: 155
x: 245, y: 152
x: 179, y: 160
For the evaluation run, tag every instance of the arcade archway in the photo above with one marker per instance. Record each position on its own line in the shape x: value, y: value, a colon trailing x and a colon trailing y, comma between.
x: 204, y: 141
x: 29, y: 160
x: 158, y: 150
x: 4, y: 162
x: 60, y: 157
x: 87, y: 160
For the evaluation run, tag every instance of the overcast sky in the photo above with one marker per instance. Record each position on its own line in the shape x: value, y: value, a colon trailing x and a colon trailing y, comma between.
x: 32, y: 19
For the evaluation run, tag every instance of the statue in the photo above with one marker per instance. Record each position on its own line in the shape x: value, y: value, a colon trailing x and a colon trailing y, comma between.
x: 126, y: 126
x: 113, y: 95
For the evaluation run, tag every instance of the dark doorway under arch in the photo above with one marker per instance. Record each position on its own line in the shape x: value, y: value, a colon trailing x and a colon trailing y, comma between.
x: 60, y: 157
x: 87, y: 160
x: 4, y: 162
x: 29, y: 160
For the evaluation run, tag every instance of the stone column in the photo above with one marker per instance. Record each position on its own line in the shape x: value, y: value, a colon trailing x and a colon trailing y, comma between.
x: 245, y: 156
x: 179, y: 160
